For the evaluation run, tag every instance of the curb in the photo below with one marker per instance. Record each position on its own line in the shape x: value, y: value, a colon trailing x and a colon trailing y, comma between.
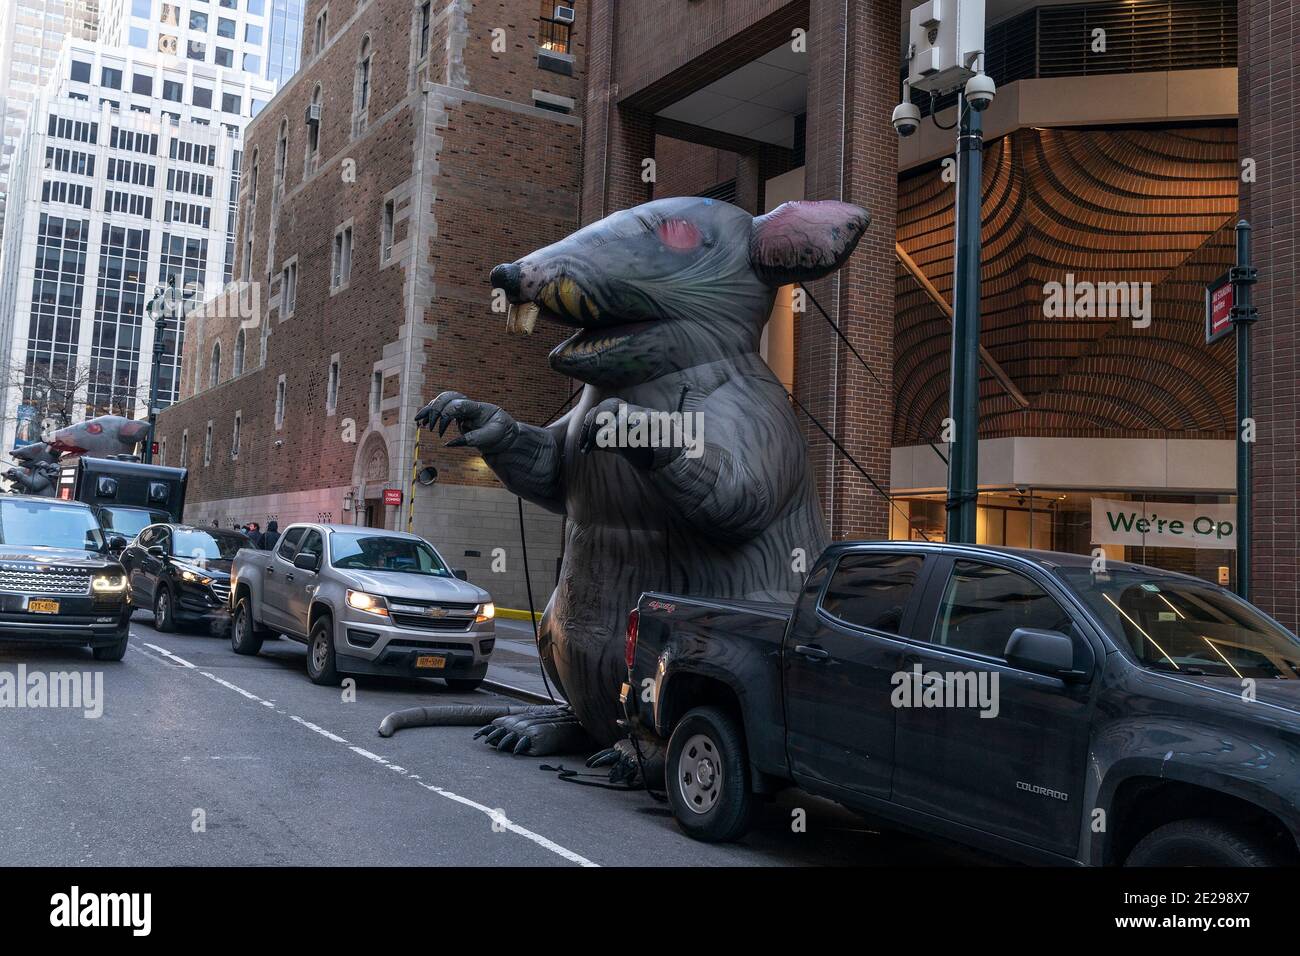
x: 531, y: 697
x: 514, y: 615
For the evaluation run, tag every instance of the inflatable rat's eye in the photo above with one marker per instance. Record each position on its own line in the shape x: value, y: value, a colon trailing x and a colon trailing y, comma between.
x: 679, y: 235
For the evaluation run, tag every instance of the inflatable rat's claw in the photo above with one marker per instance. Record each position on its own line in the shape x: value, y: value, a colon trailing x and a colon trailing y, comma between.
x: 494, y: 738
x: 483, y: 731
x: 508, y: 741
x: 538, y: 733
x: 524, y: 746
x: 605, y: 758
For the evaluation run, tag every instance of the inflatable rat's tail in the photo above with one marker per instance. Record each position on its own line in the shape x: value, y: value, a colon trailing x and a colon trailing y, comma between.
x: 450, y: 715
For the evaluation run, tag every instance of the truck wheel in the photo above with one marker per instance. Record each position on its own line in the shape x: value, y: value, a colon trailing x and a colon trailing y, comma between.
x: 244, y: 638
x: 163, y: 612
x: 708, y: 776
x: 113, y: 652
x: 320, y: 653
x: 1201, y: 843
x: 463, y: 685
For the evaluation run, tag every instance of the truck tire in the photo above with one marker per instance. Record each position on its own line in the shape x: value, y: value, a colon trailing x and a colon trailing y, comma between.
x: 164, y: 610
x: 708, y: 776
x: 244, y: 635
x: 112, y: 652
x: 1201, y: 843
x: 320, y: 653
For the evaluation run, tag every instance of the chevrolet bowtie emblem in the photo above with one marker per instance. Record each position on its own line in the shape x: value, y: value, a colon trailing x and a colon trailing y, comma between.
x: 435, y: 612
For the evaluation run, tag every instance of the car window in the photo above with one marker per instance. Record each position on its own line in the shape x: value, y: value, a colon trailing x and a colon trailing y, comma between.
x: 147, y: 536
x: 290, y: 543
x: 871, y: 589
x: 164, y: 539
x: 369, y: 551
x: 983, y: 603
x: 312, y: 543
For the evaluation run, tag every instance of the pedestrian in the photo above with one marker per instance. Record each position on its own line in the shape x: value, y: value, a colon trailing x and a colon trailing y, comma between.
x: 272, y: 535
x: 254, y: 534
x: 214, y: 523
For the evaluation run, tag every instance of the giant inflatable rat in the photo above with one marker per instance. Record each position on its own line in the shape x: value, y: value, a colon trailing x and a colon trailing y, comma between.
x: 670, y: 300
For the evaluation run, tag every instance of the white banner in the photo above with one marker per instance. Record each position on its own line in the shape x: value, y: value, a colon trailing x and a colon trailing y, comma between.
x: 1163, y: 525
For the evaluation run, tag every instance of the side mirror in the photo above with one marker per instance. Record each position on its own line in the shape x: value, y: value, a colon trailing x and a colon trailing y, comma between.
x: 157, y: 551
x: 116, y: 543
x: 306, y: 561
x: 1044, y: 652
x: 460, y: 573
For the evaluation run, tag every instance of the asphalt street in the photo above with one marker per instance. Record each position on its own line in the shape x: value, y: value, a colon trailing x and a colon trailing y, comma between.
x: 202, y: 757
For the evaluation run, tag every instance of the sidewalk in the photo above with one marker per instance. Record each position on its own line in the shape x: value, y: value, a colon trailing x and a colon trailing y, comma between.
x: 514, y: 659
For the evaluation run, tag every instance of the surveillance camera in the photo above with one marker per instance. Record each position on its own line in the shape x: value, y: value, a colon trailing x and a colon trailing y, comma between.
x: 279, y: 443
x: 907, y: 118
x: 980, y: 90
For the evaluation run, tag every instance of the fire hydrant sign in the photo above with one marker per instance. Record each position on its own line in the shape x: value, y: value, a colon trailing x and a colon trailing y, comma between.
x: 392, y: 496
x: 1161, y: 525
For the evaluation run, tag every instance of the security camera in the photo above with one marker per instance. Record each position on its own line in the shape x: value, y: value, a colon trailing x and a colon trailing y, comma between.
x: 907, y: 118
x: 980, y: 90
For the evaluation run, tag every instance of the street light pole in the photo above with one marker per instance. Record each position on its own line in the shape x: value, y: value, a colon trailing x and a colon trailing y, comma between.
x: 1244, y: 315
x: 963, y: 397
x: 158, y: 307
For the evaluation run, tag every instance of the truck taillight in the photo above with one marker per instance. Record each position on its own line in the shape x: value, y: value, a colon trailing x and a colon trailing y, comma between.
x: 629, y: 649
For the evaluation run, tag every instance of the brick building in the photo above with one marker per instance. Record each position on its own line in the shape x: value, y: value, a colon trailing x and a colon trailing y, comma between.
x: 419, y: 145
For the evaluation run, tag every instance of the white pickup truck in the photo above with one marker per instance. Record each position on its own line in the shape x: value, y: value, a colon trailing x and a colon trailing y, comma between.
x: 364, y: 601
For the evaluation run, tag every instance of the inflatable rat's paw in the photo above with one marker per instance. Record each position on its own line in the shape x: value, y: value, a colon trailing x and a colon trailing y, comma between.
x: 482, y: 425
x: 629, y: 768
x: 601, y: 432
x: 548, y: 731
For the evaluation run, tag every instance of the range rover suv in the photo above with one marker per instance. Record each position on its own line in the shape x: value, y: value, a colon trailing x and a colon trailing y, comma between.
x: 58, y: 582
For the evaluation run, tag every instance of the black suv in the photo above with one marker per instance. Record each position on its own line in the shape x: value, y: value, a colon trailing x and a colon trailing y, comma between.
x: 58, y: 583
x: 182, y: 572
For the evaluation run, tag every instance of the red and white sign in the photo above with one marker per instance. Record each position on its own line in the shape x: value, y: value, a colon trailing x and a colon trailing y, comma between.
x: 1218, y: 309
x: 392, y: 496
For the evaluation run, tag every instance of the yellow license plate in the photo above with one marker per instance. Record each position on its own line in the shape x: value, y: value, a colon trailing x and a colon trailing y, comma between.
x: 43, y: 607
x: 430, y: 662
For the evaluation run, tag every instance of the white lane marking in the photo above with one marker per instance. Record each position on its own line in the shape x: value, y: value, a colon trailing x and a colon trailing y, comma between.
x: 320, y: 730
x: 498, y: 817
x: 169, y: 655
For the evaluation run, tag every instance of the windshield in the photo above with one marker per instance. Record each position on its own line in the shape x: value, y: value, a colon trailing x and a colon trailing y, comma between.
x: 128, y: 522
x: 49, y: 525
x: 376, y: 552
x: 206, y: 545
x: 1191, y: 627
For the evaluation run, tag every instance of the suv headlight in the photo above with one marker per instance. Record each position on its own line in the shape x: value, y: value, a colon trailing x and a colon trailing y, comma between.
x: 485, y: 612
x: 108, y: 583
x: 370, y: 603
x: 193, y: 575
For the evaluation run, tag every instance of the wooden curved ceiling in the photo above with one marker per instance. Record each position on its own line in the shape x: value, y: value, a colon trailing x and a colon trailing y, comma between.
x: 1125, y: 205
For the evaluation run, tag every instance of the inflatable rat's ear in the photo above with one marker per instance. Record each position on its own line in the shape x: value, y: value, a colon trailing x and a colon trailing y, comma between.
x: 804, y: 240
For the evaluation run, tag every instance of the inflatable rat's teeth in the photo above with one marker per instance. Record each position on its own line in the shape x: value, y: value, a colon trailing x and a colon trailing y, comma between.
x: 522, y: 319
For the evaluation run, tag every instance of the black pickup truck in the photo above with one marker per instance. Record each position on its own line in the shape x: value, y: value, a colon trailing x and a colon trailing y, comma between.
x: 1020, y: 702
x: 58, y: 582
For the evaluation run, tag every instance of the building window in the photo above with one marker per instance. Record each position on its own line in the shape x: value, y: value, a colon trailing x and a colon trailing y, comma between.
x: 207, y: 446
x: 237, y: 366
x: 185, y: 448
x: 223, y: 57
x: 138, y: 37
x: 555, y: 26
x: 201, y: 97
x: 234, y: 435
x: 317, y: 111
x: 321, y: 35
x: 288, y: 288
x: 426, y: 13
x: 231, y: 103
x: 341, y: 265
x: 376, y: 392
x: 281, y: 155
x: 225, y: 28
x: 361, y: 90
x: 332, y: 387
x: 80, y: 72
x: 172, y: 90
x: 386, y: 231
x: 279, y: 402
x: 142, y: 83
x: 199, y: 21
x: 170, y: 14
x: 196, y: 50
x: 110, y: 77
x: 162, y: 450
x: 214, y: 366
